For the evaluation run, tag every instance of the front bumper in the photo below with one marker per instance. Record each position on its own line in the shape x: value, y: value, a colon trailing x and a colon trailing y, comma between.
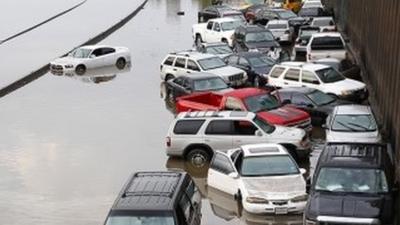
x: 275, y: 207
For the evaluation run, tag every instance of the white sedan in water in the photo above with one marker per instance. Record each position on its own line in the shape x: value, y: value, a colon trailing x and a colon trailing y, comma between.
x: 92, y: 56
x: 263, y: 176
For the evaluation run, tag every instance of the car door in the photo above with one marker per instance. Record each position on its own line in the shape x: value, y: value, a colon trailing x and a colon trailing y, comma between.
x: 218, y: 134
x: 192, y: 66
x: 108, y: 56
x: 220, y: 174
x: 309, y: 79
x: 215, y: 34
x: 180, y: 66
x: 291, y: 78
x: 244, y: 132
x: 208, y: 32
x: 95, y: 59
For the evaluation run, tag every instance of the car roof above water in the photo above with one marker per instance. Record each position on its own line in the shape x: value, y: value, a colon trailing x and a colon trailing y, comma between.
x: 216, y: 114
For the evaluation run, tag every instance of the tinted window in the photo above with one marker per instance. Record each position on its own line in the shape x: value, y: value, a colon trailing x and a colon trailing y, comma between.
x: 179, y: 81
x: 354, y: 123
x: 180, y: 62
x: 329, y: 75
x: 309, y: 77
x: 320, y: 98
x: 191, y: 65
x: 97, y: 52
x: 209, y: 25
x: 222, y: 164
x: 188, y: 126
x: 277, y: 72
x: 244, y: 128
x: 106, y: 51
x: 185, y: 205
x: 268, y: 166
x: 219, y: 127
x: 169, y: 61
x: 301, y: 100
x: 292, y: 74
x: 327, y: 43
x: 217, y: 27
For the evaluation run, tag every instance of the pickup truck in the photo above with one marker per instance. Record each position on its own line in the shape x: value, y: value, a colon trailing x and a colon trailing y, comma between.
x: 326, y: 45
x: 256, y: 100
x: 215, y: 30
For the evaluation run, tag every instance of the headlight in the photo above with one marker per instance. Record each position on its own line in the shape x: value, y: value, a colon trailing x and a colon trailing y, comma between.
x: 257, y: 200
x: 68, y: 66
x: 348, y: 92
x: 310, y: 222
x: 300, y: 198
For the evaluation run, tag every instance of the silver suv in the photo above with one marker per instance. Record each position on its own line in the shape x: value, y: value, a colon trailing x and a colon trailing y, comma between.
x: 196, y: 135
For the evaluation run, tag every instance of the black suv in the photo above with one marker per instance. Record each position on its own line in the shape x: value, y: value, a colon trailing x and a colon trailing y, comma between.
x: 219, y: 11
x: 352, y: 184
x: 155, y: 198
x: 253, y: 37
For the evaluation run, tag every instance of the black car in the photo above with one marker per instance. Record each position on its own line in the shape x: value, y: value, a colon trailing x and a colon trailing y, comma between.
x: 353, y: 183
x: 253, y: 38
x: 256, y: 65
x: 318, y: 104
x: 198, y: 82
x: 168, y: 198
x: 263, y: 15
x: 219, y: 11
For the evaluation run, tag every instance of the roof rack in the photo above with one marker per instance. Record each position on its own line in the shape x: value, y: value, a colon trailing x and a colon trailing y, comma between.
x: 183, y: 52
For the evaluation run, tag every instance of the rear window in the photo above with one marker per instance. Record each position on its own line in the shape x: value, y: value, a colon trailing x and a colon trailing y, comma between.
x: 169, y: 61
x: 277, y: 72
x: 277, y: 26
x: 327, y: 43
x: 188, y: 126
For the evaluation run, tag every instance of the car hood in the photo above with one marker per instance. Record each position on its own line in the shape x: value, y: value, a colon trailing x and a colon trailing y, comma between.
x: 345, y: 85
x: 262, y: 46
x: 282, y: 133
x: 284, y: 115
x: 321, y: 204
x: 67, y: 60
x: 361, y: 137
x: 275, y: 187
x: 226, y: 71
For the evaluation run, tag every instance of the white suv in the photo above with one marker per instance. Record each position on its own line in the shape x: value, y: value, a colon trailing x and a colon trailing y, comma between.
x: 318, y: 76
x: 183, y: 63
x: 264, y: 177
x: 196, y: 135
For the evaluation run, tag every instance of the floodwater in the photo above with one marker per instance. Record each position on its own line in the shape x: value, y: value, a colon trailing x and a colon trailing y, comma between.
x: 68, y: 143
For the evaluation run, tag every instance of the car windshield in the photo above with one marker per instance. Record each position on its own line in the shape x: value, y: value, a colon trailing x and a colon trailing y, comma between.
x: 219, y: 49
x: 354, y: 123
x: 351, y: 180
x: 261, y: 61
x: 320, y: 98
x: 276, y: 165
x: 259, y: 37
x: 267, y: 128
x: 210, y: 84
x: 327, y: 43
x: 81, y: 53
x: 323, y: 22
x: 264, y: 102
x: 140, y: 220
x: 211, y: 63
x: 277, y: 26
x: 287, y: 14
x: 329, y: 75
x: 307, y: 33
x: 232, y: 25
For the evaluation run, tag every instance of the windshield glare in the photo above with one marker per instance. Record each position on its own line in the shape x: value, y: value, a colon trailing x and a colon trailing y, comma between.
x: 329, y: 75
x: 211, y: 63
x: 276, y: 165
x: 287, y: 14
x: 261, y: 61
x: 263, y: 102
x: 140, y: 220
x: 209, y: 84
x: 354, y: 123
x: 81, y: 53
x: 267, y: 128
x: 320, y: 98
x: 226, y: 26
x: 351, y: 180
x: 221, y: 49
x: 259, y: 37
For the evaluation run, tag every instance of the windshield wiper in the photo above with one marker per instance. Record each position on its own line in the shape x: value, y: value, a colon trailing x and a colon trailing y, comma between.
x: 345, y: 125
x: 360, y: 126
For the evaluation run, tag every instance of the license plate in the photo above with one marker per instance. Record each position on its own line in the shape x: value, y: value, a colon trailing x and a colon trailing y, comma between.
x: 281, y: 210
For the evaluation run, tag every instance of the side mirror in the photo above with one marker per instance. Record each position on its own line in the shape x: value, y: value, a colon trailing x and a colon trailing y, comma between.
x: 233, y: 175
x: 303, y: 171
x: 259, y: 133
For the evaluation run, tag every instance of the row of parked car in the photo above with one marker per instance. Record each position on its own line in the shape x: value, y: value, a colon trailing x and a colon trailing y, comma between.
x: 245, y: 111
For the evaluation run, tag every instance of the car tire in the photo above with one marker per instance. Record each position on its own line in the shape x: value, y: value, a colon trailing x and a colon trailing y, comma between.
x: 198, y: 157
x: 238, y: 196
x: 198, y: 41
x: 169, y: 77
x: 224, y: 41
x: 121, y: 63
x: 80, y: 69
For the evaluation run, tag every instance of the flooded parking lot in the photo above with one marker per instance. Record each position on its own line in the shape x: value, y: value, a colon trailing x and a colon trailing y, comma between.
x: 69, y: 142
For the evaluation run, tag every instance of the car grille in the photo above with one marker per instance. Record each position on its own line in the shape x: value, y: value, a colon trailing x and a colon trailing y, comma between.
x: 236, y: 77
x: 56, y: 67
x: 283, y: 202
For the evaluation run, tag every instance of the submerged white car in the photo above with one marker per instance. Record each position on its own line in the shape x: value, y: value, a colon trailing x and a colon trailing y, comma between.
x: 263, y: 176
x: 92, y: 56
x: 352, y: 123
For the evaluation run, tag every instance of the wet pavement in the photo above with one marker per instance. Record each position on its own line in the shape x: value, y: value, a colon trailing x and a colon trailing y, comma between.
x: 68, y: 143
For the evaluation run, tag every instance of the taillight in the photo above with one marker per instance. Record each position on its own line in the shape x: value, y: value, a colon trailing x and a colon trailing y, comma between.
x: 168, y: 141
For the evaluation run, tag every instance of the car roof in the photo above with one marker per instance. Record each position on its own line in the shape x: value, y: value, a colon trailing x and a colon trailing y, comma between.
x: 201, y: 76
x: 245, y: 92
x: 304, y: 90
x: 358, y: 155
x: 263, y: 149
x: 327, y: 34
x: 216, y: 114
x: 223, y: 19
x: 193, y: 54
x: 285, y: 22
x: 304, y: 65
x: 96, y: 46
x: 352, y: 110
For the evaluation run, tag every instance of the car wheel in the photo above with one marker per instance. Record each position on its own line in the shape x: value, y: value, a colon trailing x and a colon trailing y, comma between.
x: 198, y: 157
x: 121, y: 63
x: 80, y: 69
x: 224, y: 41
x: 198, y: 40
x: 169, y: 77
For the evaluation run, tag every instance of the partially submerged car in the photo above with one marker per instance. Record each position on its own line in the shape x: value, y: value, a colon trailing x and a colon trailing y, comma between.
x: 264, y: 177
x: 254, y: 38
x: 219, y: 11
x: 92, y: 56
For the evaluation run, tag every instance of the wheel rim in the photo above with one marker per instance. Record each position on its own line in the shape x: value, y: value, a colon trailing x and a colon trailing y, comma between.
x: 198, y: 160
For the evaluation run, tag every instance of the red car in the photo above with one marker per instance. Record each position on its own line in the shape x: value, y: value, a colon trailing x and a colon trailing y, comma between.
x: 255, y: 100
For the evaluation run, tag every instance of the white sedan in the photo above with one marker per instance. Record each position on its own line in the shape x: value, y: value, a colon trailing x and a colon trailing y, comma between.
x: 92, y: 56
x: 263, y: 176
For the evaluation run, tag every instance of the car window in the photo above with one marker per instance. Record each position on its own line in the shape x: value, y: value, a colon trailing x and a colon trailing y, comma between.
x: 327, y: 43
x: 180, y: 62
x: 97, y: 52
x: 192, y: 65
x: 217, y: 27
x: 221, y: 163
x: 277, y: 72
x: 185, y: 205
x: 219, y: 127
x: 233, y: 60
x: 188, y: 126
x: 190, y: 189
x: 169, y: 61
x: 309, y: 77
x: 292, y: 74
x: 276, y: 165
x: 186, y: 83
x: 243, y: 127
x: 301, y: 100
x: 209, y: 25
x: 106, y: 51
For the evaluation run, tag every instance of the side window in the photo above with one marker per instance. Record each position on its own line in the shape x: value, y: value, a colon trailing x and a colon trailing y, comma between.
x: 106, y: 51
x: 233, y: 104
x: 191, y: 65
x: 222, y: 164
x: 97, y: 52
x: 190, y: 189
x: 277, y: 72
x: 217, y: 27
x: 232, y: 60
x: 243, y: 127
x: 180, y: 62
x: 219, y: 127
x: 309, y: 77
x: 301, y: 100
x: 188, y: 126
x: 243, y: 62
x: 209, y: 25
x: 292, y: 74
x: 169, y: 61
